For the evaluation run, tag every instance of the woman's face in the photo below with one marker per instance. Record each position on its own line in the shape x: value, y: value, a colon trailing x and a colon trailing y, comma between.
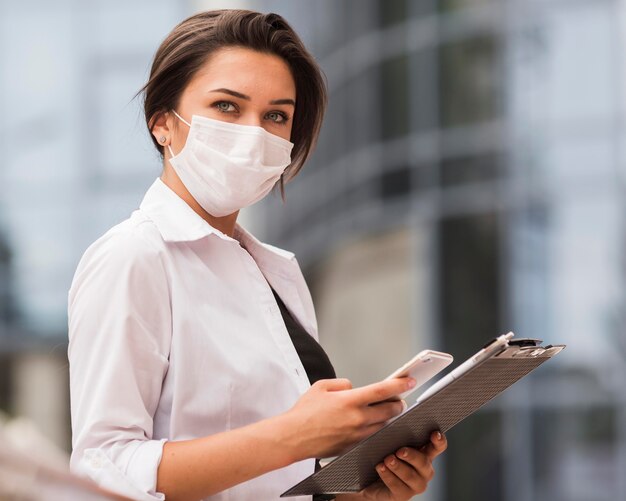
x: 235, y: 85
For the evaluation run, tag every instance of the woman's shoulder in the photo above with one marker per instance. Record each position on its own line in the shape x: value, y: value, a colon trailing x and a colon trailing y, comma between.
x: 133, y: 243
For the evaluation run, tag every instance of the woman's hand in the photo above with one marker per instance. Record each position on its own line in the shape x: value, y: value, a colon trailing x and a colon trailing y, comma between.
x: 331, y: 416
x: 403, y: 474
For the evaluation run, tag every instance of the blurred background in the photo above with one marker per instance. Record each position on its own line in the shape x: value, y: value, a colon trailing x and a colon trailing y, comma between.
x: 470, y: 179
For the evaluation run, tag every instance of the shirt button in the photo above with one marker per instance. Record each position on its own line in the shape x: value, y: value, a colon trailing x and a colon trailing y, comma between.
x: 96, y: 463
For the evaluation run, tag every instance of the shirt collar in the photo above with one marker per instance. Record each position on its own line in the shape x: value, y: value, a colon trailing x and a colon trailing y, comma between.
x: 177, y: 222
x: 268, y: 257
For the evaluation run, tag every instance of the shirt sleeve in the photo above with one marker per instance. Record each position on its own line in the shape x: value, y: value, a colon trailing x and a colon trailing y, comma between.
x: 119, y: 317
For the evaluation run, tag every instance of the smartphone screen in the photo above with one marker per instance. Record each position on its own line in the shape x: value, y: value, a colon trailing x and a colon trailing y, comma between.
x: 422, y: 367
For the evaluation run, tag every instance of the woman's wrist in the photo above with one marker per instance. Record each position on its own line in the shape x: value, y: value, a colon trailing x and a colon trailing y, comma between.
x: 287, y: 433
x: 289, y: 436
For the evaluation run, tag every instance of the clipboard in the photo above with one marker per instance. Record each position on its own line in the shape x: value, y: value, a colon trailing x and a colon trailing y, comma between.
x: 498, y: 365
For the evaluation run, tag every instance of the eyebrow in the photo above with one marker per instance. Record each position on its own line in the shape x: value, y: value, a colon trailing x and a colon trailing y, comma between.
x: 247, y: 98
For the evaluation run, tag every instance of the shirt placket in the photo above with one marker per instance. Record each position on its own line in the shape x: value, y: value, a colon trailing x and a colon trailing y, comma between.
x: 276, y: 324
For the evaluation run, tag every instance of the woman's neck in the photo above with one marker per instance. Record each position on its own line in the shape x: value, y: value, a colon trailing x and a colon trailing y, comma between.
x: 225, y: 224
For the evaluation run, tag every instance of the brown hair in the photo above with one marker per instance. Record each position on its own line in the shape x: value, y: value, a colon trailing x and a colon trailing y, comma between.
x: 191, y: 42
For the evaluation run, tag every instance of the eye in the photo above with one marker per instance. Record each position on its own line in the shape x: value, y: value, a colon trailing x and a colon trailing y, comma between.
x: 277, y: 116
x: 225, y: 106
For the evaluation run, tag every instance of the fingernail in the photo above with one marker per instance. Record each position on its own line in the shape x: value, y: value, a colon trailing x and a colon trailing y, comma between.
x: 381, y: 467
x: 404, y: 406
x: 404, y: 452
x: 392, y: 462
x: 411, y: 383
x: 438, y: 435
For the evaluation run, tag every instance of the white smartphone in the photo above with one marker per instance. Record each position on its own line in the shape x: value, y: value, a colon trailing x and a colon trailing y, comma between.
x: 421, y: 367
x: 484, y: 353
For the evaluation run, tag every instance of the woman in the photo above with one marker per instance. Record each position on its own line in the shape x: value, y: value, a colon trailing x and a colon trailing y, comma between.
x: 194, y: 367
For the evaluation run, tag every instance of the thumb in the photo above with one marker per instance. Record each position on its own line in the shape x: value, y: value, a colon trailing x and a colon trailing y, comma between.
x: 337, y: 384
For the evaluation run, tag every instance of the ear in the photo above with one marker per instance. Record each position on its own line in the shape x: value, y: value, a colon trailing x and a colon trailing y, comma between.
x: 162, y: 128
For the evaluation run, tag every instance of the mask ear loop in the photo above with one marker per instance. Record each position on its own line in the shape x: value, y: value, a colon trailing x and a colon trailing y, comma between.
x: 183, y: 121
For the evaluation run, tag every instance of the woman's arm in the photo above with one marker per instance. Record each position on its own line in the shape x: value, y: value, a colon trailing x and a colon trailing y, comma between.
x: 194, y: 469
x: 327, y: 419
x: 119, y: 320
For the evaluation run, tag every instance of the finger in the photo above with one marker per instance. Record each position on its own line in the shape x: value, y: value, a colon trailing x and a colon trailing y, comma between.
x: 382, y: 390
x: 438, y: 444
x: 417, y: 480
x: 336, y: 384
x: 366, y: 431
x: 380, y: 413
x: 397, y: 487
x: 418, y: 461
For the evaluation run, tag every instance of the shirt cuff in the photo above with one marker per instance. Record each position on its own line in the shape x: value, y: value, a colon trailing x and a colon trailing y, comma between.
x: 138, y: 481
x: 143, y: 465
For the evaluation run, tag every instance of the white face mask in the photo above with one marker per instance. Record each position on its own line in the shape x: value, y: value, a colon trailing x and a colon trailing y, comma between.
x: 228, y: 166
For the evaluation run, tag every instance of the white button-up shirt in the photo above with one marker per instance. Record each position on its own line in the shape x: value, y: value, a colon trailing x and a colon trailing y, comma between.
x: 174, y: 334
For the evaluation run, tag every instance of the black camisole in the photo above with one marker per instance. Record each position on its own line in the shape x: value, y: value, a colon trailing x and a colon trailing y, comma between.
x: 314, y: 359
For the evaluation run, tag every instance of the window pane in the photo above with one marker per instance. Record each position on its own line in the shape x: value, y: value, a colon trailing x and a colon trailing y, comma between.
x: 395, y: 183
x: 474, y: 464
x: 469, y: 312
x: 448, y: 5
x: 462, y: 170
x: 469, y: 81
x: 7, y: 312
x: 392, y: 11
x: 423, y: 89
x: 469, y: 286
x: 394, y: 97
x: 574, y: 454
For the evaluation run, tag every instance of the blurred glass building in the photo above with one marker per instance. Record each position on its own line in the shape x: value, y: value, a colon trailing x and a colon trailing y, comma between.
x: 470, y: 179
x: 76, y: 160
